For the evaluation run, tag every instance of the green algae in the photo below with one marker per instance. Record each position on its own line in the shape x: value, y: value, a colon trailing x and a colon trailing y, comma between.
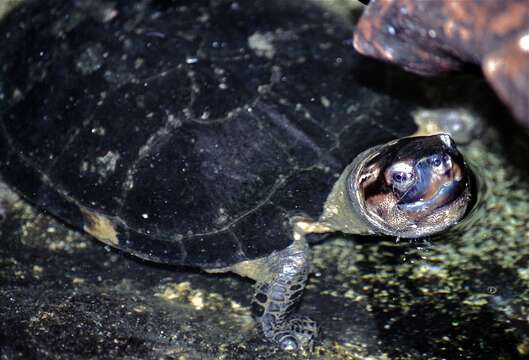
x: 478, y: 273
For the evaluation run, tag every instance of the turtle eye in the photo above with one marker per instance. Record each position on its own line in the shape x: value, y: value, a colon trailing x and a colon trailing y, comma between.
x: 402, y: 180
x: 440, y: 164
x: 436, y: 162
x: 401, y: 177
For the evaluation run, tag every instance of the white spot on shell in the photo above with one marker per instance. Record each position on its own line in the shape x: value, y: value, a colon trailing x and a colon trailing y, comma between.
x: 90, y: 60
x: 325, y: 101
x: 222, y: 217
x: 261, y: 44
x: 145, y: 215
x: 17, y: 95
x: 174, y: 121
x: 101, y: 131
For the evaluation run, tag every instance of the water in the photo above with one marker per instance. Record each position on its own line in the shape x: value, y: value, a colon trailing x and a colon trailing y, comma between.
x: 457, y: 295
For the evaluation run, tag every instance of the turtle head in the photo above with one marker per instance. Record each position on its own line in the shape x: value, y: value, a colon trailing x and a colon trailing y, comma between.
x: 410, y: 187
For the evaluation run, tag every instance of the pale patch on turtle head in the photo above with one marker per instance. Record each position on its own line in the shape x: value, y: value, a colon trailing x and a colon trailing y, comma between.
x: 100, y: 226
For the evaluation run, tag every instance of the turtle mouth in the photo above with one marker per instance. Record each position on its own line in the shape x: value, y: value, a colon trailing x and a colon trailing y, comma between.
x: 434, y: 188
x: 446, y: 194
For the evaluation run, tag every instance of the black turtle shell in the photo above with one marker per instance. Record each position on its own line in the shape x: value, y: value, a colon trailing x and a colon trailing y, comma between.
x: 197, y: 127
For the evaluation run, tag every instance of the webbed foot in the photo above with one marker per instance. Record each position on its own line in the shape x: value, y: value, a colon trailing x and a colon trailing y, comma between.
x: 275, y: 299
x: 297, y: 332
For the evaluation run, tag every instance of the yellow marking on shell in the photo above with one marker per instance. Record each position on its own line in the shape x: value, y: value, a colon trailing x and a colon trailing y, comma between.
x: 100, y: 227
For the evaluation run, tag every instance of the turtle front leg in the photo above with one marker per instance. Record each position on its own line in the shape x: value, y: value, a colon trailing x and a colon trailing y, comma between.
x: 276, y: 298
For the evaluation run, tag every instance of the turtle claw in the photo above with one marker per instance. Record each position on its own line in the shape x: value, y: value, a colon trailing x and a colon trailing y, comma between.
x: 288, y: 343
x: 298, y: 332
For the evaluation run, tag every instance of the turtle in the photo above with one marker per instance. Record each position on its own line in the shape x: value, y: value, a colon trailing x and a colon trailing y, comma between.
x: 218, y: 135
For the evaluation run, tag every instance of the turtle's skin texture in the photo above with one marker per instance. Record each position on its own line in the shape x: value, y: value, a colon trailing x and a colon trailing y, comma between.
x: 189, y: 134
x: 439, y: 36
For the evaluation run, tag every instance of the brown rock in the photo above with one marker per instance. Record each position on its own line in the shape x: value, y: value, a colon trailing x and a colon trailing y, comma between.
x: 432, y: 37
